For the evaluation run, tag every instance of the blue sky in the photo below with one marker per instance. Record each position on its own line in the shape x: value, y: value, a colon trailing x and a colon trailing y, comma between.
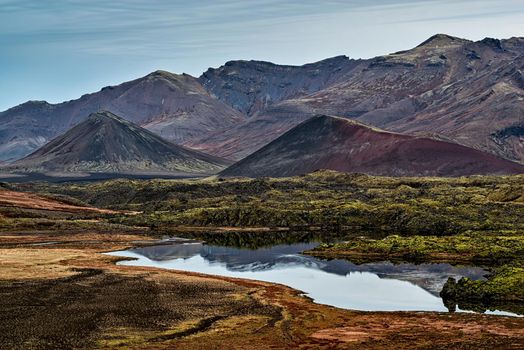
x: 58, y: 50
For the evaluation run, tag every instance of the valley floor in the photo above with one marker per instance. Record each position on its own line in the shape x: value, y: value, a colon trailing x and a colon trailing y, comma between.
x: 69, y: 295
x: 59, y: 291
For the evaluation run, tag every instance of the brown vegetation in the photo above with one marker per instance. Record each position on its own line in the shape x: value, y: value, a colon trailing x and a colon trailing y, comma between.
x: 74, y: 297
x: 34, y: 201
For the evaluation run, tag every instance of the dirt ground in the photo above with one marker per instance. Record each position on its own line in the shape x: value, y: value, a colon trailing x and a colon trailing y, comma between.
x: 67, y: 295
x: 34, y: 201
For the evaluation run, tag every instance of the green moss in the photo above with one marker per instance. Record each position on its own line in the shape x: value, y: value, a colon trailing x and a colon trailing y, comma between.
x: 504, y: 290
x: 479, y: 247
x: 407, y: 206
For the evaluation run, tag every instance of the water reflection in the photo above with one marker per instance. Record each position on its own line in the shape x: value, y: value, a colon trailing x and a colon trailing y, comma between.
x: 375, y: 287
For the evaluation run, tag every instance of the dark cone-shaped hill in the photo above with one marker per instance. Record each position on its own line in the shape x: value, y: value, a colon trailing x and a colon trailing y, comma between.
x: 107, y: 143
x: 325, y: 142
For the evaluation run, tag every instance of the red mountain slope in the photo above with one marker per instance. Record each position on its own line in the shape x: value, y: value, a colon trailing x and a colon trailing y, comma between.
x: 325, y: 142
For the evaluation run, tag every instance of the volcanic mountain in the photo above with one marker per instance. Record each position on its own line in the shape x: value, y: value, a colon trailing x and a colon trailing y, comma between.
x: 468, y: 92
x: 325, y: 142
x: 173, y: 106
x: 109, y: 144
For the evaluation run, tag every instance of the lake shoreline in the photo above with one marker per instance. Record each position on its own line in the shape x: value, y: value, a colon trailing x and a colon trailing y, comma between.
x: 83, y: 252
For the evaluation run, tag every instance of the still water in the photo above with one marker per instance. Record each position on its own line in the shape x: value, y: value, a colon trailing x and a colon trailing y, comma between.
x: 372, y: 287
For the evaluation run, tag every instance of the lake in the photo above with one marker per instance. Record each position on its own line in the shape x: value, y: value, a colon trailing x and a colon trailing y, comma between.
x: 370, y: 287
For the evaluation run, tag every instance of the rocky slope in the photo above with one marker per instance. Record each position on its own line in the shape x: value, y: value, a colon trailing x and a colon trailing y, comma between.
x: 469, y: 92
x: 174, y: 106
x: 107, y: 143
x: 251, y: 86
x: 325, y: 142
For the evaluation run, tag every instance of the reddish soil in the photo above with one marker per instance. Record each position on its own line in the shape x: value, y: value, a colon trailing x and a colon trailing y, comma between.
x: 33, y: 201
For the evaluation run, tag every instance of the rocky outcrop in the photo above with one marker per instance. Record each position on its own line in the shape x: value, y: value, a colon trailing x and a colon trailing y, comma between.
x: 252, y: 86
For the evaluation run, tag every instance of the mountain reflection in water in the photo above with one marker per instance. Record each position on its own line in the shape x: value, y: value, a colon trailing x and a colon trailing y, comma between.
x: 374, y: 286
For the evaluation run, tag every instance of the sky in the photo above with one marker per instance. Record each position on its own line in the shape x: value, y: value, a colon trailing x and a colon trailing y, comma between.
x: 57, y: 50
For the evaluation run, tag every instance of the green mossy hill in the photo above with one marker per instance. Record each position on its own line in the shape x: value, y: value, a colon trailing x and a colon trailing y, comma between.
x: 503, y: 290
x: 479, y: 248
x: 406, y: 206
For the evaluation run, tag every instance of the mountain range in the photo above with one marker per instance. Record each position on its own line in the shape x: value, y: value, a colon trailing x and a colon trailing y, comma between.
x: 467, y: 92
x: 448, y: 89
